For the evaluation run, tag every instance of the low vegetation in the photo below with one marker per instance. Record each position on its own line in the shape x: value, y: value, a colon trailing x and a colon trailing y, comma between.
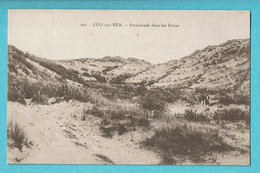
x: 120, y: 79
x: 226, y: 114
x: 232, y: 114
x: 60, y: 70
x: 40, y: 92
x: 16, y: 136
x: 228, y: 99
x: 185, y: 142
x: 192, y: 115
x: 151, y: 102
x: 226, y: 96
x: 119, y: 119
x: 99, y: 77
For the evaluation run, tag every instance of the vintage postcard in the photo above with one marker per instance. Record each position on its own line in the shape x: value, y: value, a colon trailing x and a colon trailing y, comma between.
x: 128, y: 87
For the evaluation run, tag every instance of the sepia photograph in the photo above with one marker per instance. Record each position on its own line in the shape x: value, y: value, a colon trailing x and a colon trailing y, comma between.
x: 128, y: 87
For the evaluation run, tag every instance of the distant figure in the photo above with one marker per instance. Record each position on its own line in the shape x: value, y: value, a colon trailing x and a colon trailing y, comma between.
x: 203, y: 99
x: 207, y: 100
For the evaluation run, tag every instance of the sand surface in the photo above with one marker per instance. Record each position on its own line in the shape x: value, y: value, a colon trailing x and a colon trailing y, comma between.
x: 60, y: 137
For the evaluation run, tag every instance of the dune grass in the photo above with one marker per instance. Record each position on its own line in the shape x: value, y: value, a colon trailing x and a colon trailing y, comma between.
x: 119, y: 119
x: 16, y: 135
x: 185, y: 142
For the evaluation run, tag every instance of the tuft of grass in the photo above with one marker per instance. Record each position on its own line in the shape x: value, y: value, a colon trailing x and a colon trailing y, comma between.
x: 105, y: 158
x: 186, y: 142
x: 16, y: 135
x: 108, y: 130
x: 96, y: 111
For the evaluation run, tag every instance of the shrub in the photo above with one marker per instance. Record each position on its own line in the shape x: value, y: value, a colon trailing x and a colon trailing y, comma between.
x: 235, y: 99
x: 184, y: 94
x: 120, y: 79
x: 86, y: 74
x: 96, y: 111
x: 206, y: 64
x: 226, y: 100
x: 141, y: 89
x: 121, y: 129
x: 77, y: 93
x: 84, y: 68
x: 15, y: 90
x: 109, y: 69
x: 99, y: 77
x: 169, y: 96
x: 119, y: 119
x: 185, y: 142
x: 194, y: 116
x: 21, y: 60
x: 143, y: 122
x: 11, y: 68
x: 232, y: 114
x: 108, y: 131
x: 152, y: 103
x: 16, y: 135
x: 40, y: 99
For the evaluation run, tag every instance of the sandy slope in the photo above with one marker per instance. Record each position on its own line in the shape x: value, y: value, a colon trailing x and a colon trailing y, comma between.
x: 60, y: 137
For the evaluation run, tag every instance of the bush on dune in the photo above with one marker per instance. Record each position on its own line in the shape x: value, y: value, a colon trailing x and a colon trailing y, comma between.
x: 194, y: 116
x: 228, y: 99
x: 186, y: 142
x: 226, y: 114
x: 119, y: 119
x: 15, y: 90
x: 232, y: 114
x: 154, y: 103
x: 151, y: 102
x: 99, y: 78
x: 187, y: 95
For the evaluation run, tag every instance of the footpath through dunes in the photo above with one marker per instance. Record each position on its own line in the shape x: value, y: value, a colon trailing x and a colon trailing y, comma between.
x: 59, y: 136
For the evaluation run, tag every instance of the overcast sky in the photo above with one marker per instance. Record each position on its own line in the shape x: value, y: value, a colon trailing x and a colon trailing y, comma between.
x: 58, y: 34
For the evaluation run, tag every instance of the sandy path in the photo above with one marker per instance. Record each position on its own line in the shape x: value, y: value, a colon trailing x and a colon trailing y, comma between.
x: 60, y: 137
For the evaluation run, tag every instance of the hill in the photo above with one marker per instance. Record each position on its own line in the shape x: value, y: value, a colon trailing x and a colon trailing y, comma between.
x: 224, y: 66
x: 107, y: 67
